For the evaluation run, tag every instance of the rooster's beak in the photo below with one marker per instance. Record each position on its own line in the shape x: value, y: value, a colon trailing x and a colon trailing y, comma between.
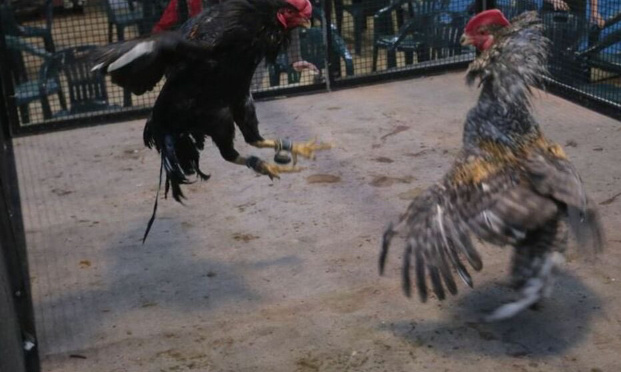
x: 465, y: 40
x: 306, y: 23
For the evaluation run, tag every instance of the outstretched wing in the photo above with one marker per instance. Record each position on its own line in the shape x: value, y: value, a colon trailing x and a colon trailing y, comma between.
x: 501, y: 207
x: 138, y: 65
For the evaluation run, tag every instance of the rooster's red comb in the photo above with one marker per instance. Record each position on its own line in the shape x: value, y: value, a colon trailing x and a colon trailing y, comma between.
x: 303, y: 6
x: 488, y: 17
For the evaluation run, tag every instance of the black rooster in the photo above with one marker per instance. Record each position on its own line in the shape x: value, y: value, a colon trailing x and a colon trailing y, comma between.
x: 208, y: 67
x: 508, y: 186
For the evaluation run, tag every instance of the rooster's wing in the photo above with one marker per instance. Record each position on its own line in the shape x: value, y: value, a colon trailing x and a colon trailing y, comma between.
x: 138, y: 65
x: 497, y: 202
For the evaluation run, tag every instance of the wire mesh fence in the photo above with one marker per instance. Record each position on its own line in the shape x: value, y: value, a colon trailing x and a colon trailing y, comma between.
x: 586, y: 46
x: 348, y: 40
x: 385, y: 35
x: 364, y: 37
x: 42, y: 42
x: 50, y: 82
x: 44, y: 46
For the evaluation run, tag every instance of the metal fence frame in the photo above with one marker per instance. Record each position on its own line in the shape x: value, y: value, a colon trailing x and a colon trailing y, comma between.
x: 18, y: 346
x: 583, y: 99
x: 17, y: 328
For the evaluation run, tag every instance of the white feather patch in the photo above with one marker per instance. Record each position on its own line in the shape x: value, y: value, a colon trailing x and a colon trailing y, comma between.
x: 97, y: 67
x: 535, y: 288
x: 135, y: 53
x: 532, y: 294
x: 440, y: 222
x: 498, y: 225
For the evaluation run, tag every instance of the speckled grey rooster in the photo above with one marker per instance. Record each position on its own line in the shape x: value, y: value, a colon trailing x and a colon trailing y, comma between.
x: 508, y: 186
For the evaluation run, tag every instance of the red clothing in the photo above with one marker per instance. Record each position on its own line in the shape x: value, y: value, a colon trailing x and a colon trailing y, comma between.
x: 169, y: 17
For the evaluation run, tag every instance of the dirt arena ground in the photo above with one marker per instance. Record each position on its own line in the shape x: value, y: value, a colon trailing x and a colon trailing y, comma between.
x: 254, y: 275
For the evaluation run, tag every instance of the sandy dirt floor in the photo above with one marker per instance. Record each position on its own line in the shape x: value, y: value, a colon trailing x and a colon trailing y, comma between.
x: 254, y: 275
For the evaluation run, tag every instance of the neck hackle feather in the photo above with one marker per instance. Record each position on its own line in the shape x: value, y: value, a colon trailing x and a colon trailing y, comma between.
x: 516, y: 61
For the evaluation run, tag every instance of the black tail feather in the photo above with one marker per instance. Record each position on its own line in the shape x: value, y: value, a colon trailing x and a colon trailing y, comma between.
x: 201, y: 175
x: 175, y: 171
x: 157, y: 196
x: 175, y: 186
x: 180, y: 157
x: 187, y: 151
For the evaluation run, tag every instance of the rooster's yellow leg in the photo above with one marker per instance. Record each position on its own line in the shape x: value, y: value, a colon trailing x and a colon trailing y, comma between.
x: 265, y: 168
x: 304, y: 149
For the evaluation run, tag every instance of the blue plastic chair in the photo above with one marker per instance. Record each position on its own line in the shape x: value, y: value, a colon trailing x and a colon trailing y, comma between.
x: 313, y: 50
x: 411, y: 35
x: 87, y: 89
x: 13, y: 28
x: 28, y: 90
x: 122, y: 16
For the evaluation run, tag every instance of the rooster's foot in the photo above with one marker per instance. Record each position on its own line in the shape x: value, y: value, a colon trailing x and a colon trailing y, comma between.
x: 270, y: 170
x: 308, y: 149
x: 285, y: 147
x: 533, y: 291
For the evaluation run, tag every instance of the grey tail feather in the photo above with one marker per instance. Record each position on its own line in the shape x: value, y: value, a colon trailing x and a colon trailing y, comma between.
x: 436, y: 283
x: 157, y: 196
x: 421, y: 282
x: 386, y: 238
x: 446, y: 274
x: 406, y: 280
x: 587, y: 228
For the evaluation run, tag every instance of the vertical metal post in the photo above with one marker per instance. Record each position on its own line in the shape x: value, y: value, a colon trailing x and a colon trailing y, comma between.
x: 487, y: 4
x: 11, y: 354
x: 481, y: 5
x: 13, y: 241
x: 13, y: 247
x: 7, y: 90
x: 326, y: 22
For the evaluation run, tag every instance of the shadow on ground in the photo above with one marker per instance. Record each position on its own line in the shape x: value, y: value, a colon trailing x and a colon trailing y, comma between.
x: 148, y: 279
x: 561, y: 323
